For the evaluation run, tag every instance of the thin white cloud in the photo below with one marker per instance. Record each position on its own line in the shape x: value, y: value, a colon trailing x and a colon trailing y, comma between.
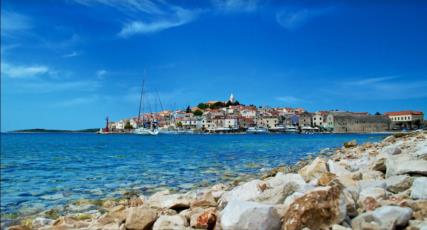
x: 101, y: 73
x: 236, y: 5
x: 290, y: 100
x: 13, y: 23
x: 48, y: 86
x: 77, y: 101
x: 380, y: 88
x: 146, y: 6
x: 21, y: 71
x: 72, y: 54
x: 179, y: 17
x: 370, y: 81
x: 292, y: 19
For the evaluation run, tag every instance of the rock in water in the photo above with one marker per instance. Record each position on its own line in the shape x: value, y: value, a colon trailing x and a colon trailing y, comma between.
x: 319, y: 208
x: 399, y: 183
x: 140, y: 218
x: 350, y: 144
x: 314, y: 170
x: 419, y: 188
x: 170, y: 222
x: 386, y: 217
x: 249, y: 215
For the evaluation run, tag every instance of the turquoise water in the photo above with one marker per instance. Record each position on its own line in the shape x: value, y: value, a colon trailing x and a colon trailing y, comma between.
x: 40, y: 171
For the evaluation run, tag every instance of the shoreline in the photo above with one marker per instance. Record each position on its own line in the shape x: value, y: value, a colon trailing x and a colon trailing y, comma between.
x: 204, y: 207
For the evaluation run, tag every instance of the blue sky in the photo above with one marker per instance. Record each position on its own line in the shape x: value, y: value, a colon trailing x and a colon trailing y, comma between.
x: 68, y: 64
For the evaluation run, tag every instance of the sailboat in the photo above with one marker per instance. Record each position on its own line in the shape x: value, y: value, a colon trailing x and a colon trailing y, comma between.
x: 150, y: 127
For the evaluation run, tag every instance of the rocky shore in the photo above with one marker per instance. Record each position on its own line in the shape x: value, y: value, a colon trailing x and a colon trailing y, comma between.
x: 371, y: 186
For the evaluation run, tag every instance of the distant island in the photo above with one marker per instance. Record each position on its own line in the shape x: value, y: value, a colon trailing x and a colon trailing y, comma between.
x: 54, y: 131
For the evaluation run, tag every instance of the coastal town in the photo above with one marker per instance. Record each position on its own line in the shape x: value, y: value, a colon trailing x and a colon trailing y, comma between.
x: 232, y: 117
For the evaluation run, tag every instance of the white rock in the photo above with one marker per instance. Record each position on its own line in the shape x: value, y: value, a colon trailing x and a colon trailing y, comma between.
x: 419, y: 188
x: 405, y: 165
x: 281, y: 179
x: 386, y: 217
x: 374, y: 192
x: 314, y: 170
x: 165, y: 222
x: 391, y: 150
x: 393, y: 215
x: 337, y: 168
x: 165, y: 200
x: 244, y: 192
x: 398, y: 183
x: 249, y: 215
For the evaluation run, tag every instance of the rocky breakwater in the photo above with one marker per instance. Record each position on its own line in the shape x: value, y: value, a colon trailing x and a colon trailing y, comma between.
x: 372, y: 186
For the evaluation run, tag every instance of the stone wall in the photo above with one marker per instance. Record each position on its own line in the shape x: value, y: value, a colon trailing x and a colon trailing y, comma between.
x: 356, y: 123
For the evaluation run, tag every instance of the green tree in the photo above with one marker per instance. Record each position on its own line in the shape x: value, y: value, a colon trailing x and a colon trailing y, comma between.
x: 188, y: 110
x: 128, y: 126
x: 203, y: 106
x: 377, y: 113
x: 179, y: 124
x: 217, y: 105
x: 198, y: 113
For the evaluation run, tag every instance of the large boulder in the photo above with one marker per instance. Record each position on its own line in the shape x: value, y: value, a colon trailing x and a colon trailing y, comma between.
x: 386, y: 217
x: 245, y: 192
x: 419, y: 188
x: 398, y: 183
x: 140, y: 218
x: 369, y: 197
x: 405, y: 165
x: 249, y: 215
x: 319, y: 208
x: 165, y: 222
x: 337, y: 168
x: 314, y: 170
x: 170, y: 201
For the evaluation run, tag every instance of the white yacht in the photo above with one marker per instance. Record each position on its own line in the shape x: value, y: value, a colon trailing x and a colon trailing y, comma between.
x: 149, y: 127
x: 257, y: 130
x: 291, y: 129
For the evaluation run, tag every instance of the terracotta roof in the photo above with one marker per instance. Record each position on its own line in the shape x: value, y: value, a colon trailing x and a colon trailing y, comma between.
x: 406, y: 112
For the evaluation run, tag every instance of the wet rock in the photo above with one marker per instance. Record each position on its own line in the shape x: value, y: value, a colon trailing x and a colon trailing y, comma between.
x: 387, y: 217
x: 140, y: 218
x: 350, y: 144
x: 40, y: 222
x: 403, y: 165
x: 170, y: 223
x: 249, y: 215
x: 398, y: 183
x: 319, y: 208
x: 419, y: 188
x: 314, y: 170
x: 67, y: 222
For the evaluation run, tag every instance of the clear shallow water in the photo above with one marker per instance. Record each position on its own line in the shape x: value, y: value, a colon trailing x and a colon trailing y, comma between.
x: 40, y: 171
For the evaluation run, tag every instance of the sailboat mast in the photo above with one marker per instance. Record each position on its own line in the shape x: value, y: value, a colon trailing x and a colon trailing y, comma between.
x: 140, y: 104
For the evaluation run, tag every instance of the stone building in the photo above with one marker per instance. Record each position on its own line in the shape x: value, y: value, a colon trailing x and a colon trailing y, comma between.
x: 406, y: 119
x: 344, y: 122
x: 305, y: 119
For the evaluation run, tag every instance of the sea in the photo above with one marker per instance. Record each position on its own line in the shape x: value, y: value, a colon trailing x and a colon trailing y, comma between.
x: 42, y: 171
